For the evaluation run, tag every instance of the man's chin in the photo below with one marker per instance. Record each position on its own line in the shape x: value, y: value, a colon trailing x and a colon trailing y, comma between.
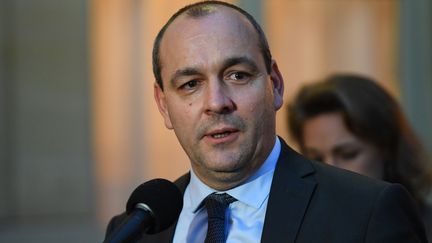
x: 224, y: 166
x: 227, y: 179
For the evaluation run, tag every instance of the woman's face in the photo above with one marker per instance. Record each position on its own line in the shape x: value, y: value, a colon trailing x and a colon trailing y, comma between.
x: 326, y: 138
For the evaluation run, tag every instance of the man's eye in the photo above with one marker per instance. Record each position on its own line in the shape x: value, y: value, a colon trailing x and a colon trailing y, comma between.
x: 189, y: 85
x: 239, y: 76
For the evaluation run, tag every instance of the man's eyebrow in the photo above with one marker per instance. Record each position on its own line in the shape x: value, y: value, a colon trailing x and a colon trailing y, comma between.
x: 240, y: 60
x: 184, y: 72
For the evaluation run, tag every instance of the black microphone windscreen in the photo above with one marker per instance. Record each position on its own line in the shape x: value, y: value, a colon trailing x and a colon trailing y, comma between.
x: 162, y: 197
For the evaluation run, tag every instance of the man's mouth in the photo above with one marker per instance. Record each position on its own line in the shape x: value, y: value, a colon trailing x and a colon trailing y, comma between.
x: 220, y: 135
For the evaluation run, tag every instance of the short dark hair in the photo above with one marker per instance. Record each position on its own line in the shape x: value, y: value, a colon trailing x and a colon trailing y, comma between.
x: 200, y: 9
x: 374, y: 116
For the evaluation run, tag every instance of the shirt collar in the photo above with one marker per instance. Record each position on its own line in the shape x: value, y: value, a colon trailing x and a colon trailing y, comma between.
x: 253, y: 192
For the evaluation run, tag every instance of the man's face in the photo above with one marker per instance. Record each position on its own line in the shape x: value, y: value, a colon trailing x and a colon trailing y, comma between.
x: 218, y: 97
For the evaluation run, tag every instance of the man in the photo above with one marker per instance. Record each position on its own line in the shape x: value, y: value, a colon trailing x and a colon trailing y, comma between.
x: 218, y: 89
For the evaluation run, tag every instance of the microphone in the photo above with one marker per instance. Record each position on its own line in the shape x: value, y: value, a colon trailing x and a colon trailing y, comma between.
x: 152, y: 207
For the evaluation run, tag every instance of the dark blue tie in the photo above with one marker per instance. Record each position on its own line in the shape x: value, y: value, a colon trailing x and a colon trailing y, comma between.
x: 216, y: 205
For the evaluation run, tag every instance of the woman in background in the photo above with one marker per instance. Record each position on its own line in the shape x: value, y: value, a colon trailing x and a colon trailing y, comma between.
x: 349, y: 121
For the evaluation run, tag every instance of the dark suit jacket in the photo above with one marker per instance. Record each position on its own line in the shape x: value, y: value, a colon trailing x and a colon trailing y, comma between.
x: 313, y: 202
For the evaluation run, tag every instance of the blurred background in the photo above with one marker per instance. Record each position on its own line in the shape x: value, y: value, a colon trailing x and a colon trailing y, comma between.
x: 79, y: 129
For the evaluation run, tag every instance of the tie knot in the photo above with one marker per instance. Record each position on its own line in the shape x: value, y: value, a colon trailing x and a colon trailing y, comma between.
x: 216, y: 204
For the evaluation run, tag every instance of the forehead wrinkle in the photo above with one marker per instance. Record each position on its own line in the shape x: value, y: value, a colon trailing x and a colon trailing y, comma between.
x: 239, y: 25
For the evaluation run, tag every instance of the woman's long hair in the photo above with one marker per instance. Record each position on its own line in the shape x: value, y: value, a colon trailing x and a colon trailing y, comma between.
x: 374, y: 116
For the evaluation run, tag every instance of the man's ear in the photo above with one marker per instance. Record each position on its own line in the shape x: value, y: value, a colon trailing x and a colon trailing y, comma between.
x: 159, y: 96
x: 278, y: 85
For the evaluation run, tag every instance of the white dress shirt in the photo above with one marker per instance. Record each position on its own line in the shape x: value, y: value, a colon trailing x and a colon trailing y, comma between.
x: 244, y: 217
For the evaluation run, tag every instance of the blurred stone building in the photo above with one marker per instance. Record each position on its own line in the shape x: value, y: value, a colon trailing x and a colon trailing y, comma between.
x: 78, y: 126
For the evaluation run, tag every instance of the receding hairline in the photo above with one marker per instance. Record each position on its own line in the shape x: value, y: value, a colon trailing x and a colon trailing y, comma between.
x: 201, y: 10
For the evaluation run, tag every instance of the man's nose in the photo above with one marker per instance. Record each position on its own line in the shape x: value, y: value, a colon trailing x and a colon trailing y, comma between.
x: 218, y: 98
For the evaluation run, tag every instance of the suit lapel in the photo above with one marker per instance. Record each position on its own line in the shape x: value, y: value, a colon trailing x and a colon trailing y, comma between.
x: 289, y: 197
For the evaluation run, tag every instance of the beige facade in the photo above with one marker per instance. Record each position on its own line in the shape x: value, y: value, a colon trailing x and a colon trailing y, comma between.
x: 79, y: 129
